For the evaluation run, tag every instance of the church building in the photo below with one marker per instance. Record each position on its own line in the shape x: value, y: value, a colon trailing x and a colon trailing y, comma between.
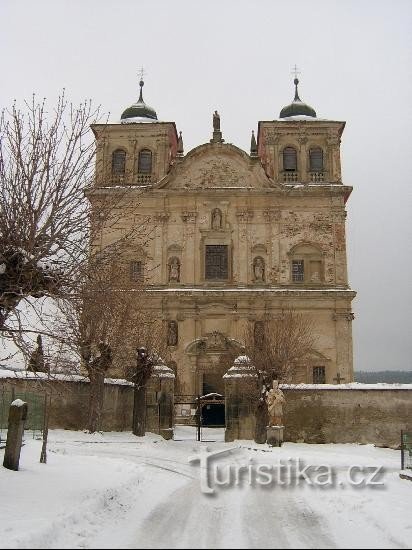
x: 236, y: 237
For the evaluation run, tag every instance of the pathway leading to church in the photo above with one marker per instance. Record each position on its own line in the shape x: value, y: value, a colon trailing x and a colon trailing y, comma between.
x: 117, y: 491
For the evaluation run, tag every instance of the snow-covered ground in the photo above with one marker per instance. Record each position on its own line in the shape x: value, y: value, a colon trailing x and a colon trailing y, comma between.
x: 118, y: 491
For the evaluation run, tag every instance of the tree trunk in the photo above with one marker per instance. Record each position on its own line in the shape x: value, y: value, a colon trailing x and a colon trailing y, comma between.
x: 95, y: 401
x: 139, y: 411
x: 46, y: 418
x: 261, y: 422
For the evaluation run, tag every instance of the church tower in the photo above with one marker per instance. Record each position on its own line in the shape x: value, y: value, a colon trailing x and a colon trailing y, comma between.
x: 237, y: 237
x: 138, y: 150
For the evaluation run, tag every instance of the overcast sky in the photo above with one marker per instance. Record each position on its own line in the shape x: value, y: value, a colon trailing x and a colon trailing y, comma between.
x: 236, y: 57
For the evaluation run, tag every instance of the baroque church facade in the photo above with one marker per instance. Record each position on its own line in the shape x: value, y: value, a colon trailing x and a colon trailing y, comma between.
x: 236, y: 237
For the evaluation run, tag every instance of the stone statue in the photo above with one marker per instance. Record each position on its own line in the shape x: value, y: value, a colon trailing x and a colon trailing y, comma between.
x: 216, y: 219
x: 174, y: 270
x: 259, y: 269
x: 275, y: 401
x: 172, y: 335
x: 216, y: 121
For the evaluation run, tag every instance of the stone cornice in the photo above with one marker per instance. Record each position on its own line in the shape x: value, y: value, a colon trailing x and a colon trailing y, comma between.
x: 294, y: 190
x: 252, y: 292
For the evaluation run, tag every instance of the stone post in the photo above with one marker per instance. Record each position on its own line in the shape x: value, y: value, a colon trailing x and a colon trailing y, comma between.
x: 17, y: 417
x: 241, y: 394
x: 160, y: 401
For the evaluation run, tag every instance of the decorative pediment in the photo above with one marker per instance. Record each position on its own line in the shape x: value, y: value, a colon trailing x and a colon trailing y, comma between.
x: 214, y: 342
x: 216, y: 166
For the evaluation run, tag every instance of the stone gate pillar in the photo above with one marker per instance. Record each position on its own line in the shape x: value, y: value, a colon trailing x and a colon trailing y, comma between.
x: 160, y: 401
x: 241, y: 394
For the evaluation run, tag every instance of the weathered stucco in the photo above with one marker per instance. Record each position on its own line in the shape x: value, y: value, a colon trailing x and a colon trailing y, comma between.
x: 266, y: 213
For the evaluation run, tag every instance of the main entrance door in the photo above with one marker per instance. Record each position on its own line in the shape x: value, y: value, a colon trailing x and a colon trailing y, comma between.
x: 206, y: 421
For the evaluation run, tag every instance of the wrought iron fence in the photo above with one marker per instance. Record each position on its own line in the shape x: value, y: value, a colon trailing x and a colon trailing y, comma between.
x: 35, y: 412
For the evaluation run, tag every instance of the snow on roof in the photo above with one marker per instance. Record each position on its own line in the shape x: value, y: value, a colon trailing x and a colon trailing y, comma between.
x: 43, y: 376
x: 163, y: 371
x: 350, y: 386
x: 18, y: 403
x: 242, y: 359
x: 254, y: 290
x: 302, y: 117
x: 138, y: 119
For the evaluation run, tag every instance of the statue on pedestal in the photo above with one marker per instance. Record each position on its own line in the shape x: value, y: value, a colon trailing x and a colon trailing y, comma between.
x: 216, y: 121
x: 275, y: 400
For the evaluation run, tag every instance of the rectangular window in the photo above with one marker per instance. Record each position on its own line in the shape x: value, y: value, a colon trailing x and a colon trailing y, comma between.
x: 136, y: 271
x: 319, y: 375
x: 217, y: 262
x: 298, y: 273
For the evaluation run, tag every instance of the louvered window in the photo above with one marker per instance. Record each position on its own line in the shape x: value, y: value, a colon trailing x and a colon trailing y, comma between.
x: 290, y: 159
x: 316, y: 160
x: 145, y: 162
x: 118, y: 162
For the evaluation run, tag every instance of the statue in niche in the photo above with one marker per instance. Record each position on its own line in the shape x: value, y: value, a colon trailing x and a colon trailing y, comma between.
x: 216, y: 219
x: 259, y: 269
x: 174, y: 270
x: 172, y: 333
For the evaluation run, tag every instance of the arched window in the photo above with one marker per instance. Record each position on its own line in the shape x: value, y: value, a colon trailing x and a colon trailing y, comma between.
x: 316, y: 159
x: 290, y: 161
x: 118, y: 162
x: 144, y: 164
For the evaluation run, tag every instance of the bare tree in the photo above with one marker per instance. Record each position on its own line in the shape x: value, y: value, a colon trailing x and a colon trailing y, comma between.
x: 276, y: 348
x: 150, y: 335
x: 46, y: 161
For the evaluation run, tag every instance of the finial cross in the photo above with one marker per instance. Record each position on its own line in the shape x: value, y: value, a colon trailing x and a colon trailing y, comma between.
x: 141, y: 73
x: 295, y: 71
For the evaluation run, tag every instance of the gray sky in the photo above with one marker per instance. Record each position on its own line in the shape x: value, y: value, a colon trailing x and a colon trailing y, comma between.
x: 236, y: 56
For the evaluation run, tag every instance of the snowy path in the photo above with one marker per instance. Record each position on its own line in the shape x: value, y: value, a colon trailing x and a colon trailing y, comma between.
x: 116, y: 491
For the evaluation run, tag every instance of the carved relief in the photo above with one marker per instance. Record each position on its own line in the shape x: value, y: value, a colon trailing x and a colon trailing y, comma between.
x: 270, y: 215
x: 244, y: 215
x: 162, y: 217
x: 189, y: 217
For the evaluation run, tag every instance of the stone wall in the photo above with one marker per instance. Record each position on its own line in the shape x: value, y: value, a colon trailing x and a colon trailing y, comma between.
x: 347, y: 415
x: 353, y: 413
x: 70, y: 402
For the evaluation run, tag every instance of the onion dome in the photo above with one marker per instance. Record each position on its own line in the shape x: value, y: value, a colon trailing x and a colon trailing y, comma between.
x: 139, y: 110
x: 297, y: 107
